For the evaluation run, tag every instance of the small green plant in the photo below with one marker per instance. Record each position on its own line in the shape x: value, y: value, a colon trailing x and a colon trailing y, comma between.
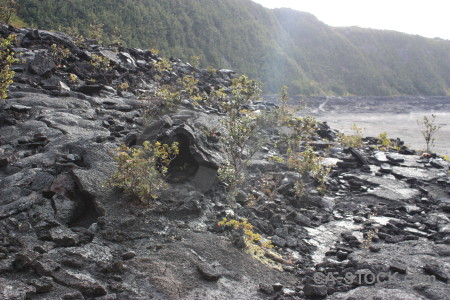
x: 241, y: 143
x: 96, y: 32
x: 186, y: 88
x: 254, y: 243
x: 276, y: 158
x: 308, y: 162
x: 268, y: 188
x: 216, y: 97
x: 123, y: 86
x: 250, y: 237
x: 243, y: 92
x: 141, y: 171
x: 195, y: 61
x: 211, y: 70
x: 285, y: 113
x: 190, y: 89
x: 163, y: 65
x: 7, y: 9
x: 429, y: 130
x: 383, y: 141
x: 100, y: 63
x: 243, y: 137
x: 368, y: 237
x: 304, y: 129
x: 154, y: 51
x: 355, y: 140
x: 227, y: 174
x: 6, y: 60
x: 73, y: 78
x: 59, y: 54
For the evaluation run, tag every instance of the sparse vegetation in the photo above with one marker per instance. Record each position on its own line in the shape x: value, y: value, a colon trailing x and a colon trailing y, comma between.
x: 241, y: 143
x: 250, y: 237
x: 141, y: 171
x: 243, y: 138
x: 195, y: 61
x: 429, y: 128
x: 96, y: 32
x: 284, y: 113
x: 59, y: 54
x: 383, y: 141
x: 304, y: 129
x: 267, y: 188
x: 101, y: 63
x: 253, y: 243
x: 73, y: 78
x: 304, y: 163
x: 354, y: 140
x: 6, y: 60
x: 123, y: 86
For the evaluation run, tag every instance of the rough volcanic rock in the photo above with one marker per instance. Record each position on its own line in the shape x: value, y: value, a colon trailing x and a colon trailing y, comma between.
x: 66, y: 234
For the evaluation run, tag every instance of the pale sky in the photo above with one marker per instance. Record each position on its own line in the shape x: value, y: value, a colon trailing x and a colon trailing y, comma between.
x: 428, y: 18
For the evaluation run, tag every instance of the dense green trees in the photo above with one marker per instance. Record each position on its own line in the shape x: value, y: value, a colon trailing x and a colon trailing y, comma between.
x: 278, y: 47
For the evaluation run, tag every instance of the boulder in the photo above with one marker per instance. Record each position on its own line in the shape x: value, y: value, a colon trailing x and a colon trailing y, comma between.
x: 42, y: 65
x: 15, y: 290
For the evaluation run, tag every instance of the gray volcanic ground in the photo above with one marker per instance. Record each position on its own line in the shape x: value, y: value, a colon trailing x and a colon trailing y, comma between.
x: 396, y: 116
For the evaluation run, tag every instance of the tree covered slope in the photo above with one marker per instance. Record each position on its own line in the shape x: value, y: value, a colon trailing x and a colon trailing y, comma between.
x: 280, y: 46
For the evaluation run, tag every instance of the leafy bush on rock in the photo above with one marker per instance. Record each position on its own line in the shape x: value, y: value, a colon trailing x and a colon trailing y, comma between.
x: 141, y: 171
x: 6, y: 60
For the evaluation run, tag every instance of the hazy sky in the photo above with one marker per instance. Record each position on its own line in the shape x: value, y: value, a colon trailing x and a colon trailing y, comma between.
x: 429, y: 18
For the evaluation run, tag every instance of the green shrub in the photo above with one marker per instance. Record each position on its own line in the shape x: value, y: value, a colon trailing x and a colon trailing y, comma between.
x: 267, y: 189
x: 254, y: 243
x: 304, y: 129
x: 123, y: 86
x: 189, y: 89
x: 243, y: 136
x: 250, y: 237
x: 59, y: 54
x: 429, y: 129
x: 195, y: 61
x: 355, y: 140
x: 96, y: 32
x: 100, y: 63
x: 383, y: 141
x: 284, y: 113
x: 241, y: 142
x: 243, y: 92
x: 6, y: 60
x: 308, y: 162
x: 141, y: 171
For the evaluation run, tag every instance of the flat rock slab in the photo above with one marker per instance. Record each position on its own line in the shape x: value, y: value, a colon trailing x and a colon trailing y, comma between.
x: 92, y: 253
x: 417, y: 173
x: 324, y: 236
x: 389, y: 188
x: 80, y: 281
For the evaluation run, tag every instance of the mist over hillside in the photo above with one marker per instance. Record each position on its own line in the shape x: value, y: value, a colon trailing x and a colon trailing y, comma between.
x: 277, y: 46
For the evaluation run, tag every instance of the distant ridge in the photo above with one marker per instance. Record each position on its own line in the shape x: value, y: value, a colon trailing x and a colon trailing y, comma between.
x: 279, y: 46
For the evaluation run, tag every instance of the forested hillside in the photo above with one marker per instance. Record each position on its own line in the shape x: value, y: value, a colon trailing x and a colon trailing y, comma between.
x: 280, y: 46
